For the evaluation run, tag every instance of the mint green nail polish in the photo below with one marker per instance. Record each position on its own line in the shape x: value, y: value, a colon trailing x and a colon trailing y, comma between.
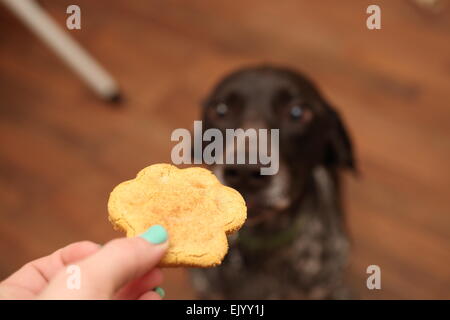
x: 155, y: 234
x: 160, y: 291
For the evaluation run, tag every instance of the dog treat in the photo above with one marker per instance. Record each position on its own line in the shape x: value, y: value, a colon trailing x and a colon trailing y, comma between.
x: 194, y: 207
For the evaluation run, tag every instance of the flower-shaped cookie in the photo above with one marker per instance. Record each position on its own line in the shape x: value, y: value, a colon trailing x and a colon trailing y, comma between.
x: 194, y: 207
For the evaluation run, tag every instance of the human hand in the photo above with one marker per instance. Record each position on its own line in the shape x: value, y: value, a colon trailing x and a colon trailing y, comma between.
x: 123, y: 268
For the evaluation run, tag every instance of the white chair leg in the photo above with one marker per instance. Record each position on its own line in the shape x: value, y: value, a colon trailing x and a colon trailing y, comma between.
x: 42, y: 24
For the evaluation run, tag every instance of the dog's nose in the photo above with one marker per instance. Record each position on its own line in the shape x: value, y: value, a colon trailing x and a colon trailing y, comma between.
x: 245, y: 176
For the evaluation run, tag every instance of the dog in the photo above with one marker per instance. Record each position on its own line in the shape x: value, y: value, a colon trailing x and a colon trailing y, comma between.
x: 294, y: 244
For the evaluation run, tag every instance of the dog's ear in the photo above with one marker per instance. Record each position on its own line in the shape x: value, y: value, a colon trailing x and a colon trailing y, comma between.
x: 339, y: 148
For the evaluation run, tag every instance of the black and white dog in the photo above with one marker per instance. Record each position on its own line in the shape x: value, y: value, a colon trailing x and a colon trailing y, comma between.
x: 294, y: 244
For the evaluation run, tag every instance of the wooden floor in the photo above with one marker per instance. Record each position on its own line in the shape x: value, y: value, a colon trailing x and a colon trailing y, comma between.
x: 62, y: 150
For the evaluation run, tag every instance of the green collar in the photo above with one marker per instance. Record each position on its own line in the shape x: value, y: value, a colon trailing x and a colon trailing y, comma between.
x: 271, y: 241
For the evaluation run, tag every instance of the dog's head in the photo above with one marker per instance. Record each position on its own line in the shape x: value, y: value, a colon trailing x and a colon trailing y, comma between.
x: 311, y: 133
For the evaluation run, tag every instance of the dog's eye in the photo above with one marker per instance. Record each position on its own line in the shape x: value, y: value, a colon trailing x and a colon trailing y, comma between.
x: 221, y: 109
x: 296, y: 112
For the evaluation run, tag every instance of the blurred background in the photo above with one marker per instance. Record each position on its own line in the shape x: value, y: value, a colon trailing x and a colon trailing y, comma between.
x: 62, y: 149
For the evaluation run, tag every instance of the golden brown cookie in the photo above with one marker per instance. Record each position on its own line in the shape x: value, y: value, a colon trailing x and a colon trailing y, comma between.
x: 193, y: 206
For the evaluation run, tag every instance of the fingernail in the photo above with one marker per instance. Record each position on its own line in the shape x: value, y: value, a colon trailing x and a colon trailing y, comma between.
x: 160, y: 291
x: 155, y: 234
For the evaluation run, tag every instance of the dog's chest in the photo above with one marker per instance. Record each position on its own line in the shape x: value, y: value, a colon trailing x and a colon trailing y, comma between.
x: 301, y: 253
x: 299, y: 261
x: 296, y: 270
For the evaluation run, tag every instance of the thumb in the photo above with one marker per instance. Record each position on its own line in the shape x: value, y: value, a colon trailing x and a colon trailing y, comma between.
x: 117, y: 263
